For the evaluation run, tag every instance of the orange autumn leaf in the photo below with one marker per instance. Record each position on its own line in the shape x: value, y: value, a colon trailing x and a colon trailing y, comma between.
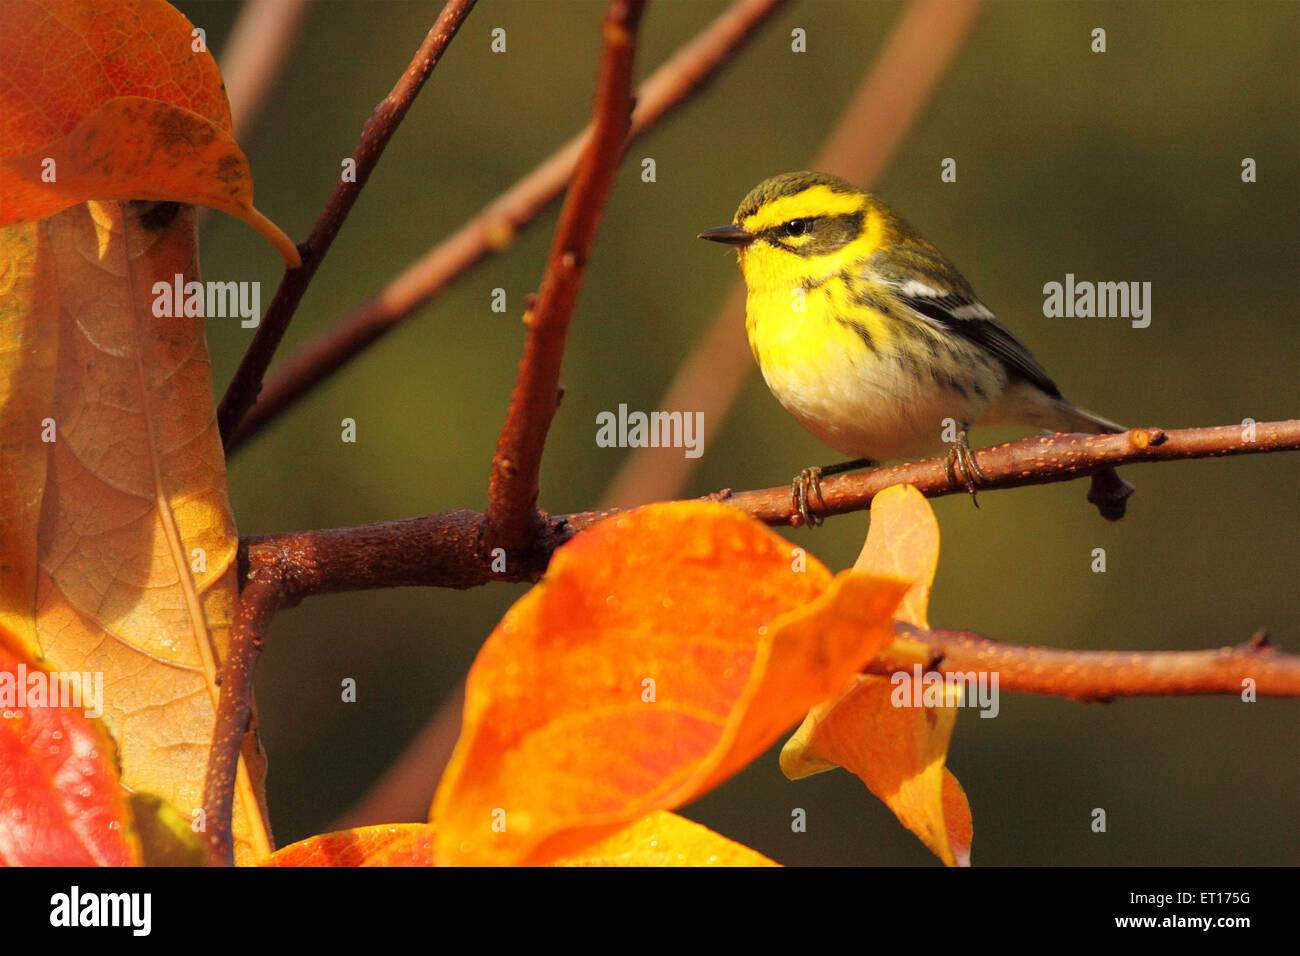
x: 658, y: 839
x: 665, y: 649
x: 897, y: 751
x: 132, y: 112
x: 61, y: 803
x: 814, y: 650
x: 665, y: 839
x: 398, y: 844
x: 114, y: 516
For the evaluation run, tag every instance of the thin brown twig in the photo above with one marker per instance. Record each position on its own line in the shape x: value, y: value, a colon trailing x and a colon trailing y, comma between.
x: 258, y: 602
x: 495, y: 227
x: 914, y: 58
x: 244, y: 387
x: 1105, y: 675
x: 443, y: 550
x: 512, y: 518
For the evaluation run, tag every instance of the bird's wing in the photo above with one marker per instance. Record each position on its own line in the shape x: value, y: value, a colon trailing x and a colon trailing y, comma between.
x: 920, y: 278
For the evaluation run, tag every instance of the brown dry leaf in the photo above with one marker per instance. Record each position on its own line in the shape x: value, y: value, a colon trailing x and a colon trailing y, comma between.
x: 134, y: 147
x: 115, y: 99
x: 28, y: 347
x: 136, y: 543
x: 116, y: 539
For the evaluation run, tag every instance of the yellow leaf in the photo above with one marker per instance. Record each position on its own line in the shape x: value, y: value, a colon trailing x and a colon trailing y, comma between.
x: 657, y: 839
x: 898, y: 752
x: 135, y: 544
x: 665, y: 839
x: 874, y: 730
x: 903, y: 542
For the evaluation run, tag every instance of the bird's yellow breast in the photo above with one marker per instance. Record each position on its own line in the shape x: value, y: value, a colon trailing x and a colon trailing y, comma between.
x: 864, y: 400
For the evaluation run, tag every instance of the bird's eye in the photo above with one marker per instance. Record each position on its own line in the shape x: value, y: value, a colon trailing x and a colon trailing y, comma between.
x: 796, y: 227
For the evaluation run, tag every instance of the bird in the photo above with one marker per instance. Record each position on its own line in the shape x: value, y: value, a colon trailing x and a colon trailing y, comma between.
x: 872, y: 339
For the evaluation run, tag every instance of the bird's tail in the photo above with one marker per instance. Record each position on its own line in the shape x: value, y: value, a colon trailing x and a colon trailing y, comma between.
x: 1072, y: 418
x: 1024, y: 403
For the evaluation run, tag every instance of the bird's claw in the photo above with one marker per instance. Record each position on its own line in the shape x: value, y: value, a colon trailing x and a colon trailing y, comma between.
x: 961, y: 466
x: 808, y: 480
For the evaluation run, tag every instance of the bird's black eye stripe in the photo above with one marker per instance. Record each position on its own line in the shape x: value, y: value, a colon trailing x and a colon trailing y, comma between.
x: 822, y: 234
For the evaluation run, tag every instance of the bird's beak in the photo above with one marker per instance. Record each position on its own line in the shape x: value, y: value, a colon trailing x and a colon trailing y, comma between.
x: 731, y: 235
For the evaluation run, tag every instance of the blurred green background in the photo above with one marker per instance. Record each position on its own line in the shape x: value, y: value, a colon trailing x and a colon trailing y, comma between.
x: 1117, y: 166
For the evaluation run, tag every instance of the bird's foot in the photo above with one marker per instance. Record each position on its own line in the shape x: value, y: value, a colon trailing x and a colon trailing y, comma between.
x: 808, y: 483
x: 805, y: 484
x: 961, y: 466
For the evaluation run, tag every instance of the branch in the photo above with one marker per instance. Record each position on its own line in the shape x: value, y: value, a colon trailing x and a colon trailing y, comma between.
x: 1030, y: 461
x: 1105, y: 675
x: 242, y: 392
x: 444, y: 550
x: 258, y: 602
x: 495, y: 227
x: 512, y: 516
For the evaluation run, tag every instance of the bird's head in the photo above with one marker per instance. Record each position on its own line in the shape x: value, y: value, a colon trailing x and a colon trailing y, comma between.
x: 797, y: 225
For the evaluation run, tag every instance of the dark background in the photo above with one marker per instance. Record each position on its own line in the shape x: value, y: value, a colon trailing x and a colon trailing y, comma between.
x: 1117, y: 166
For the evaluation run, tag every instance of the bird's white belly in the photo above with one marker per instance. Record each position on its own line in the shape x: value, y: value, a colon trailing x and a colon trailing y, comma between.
x: 864, y: 404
